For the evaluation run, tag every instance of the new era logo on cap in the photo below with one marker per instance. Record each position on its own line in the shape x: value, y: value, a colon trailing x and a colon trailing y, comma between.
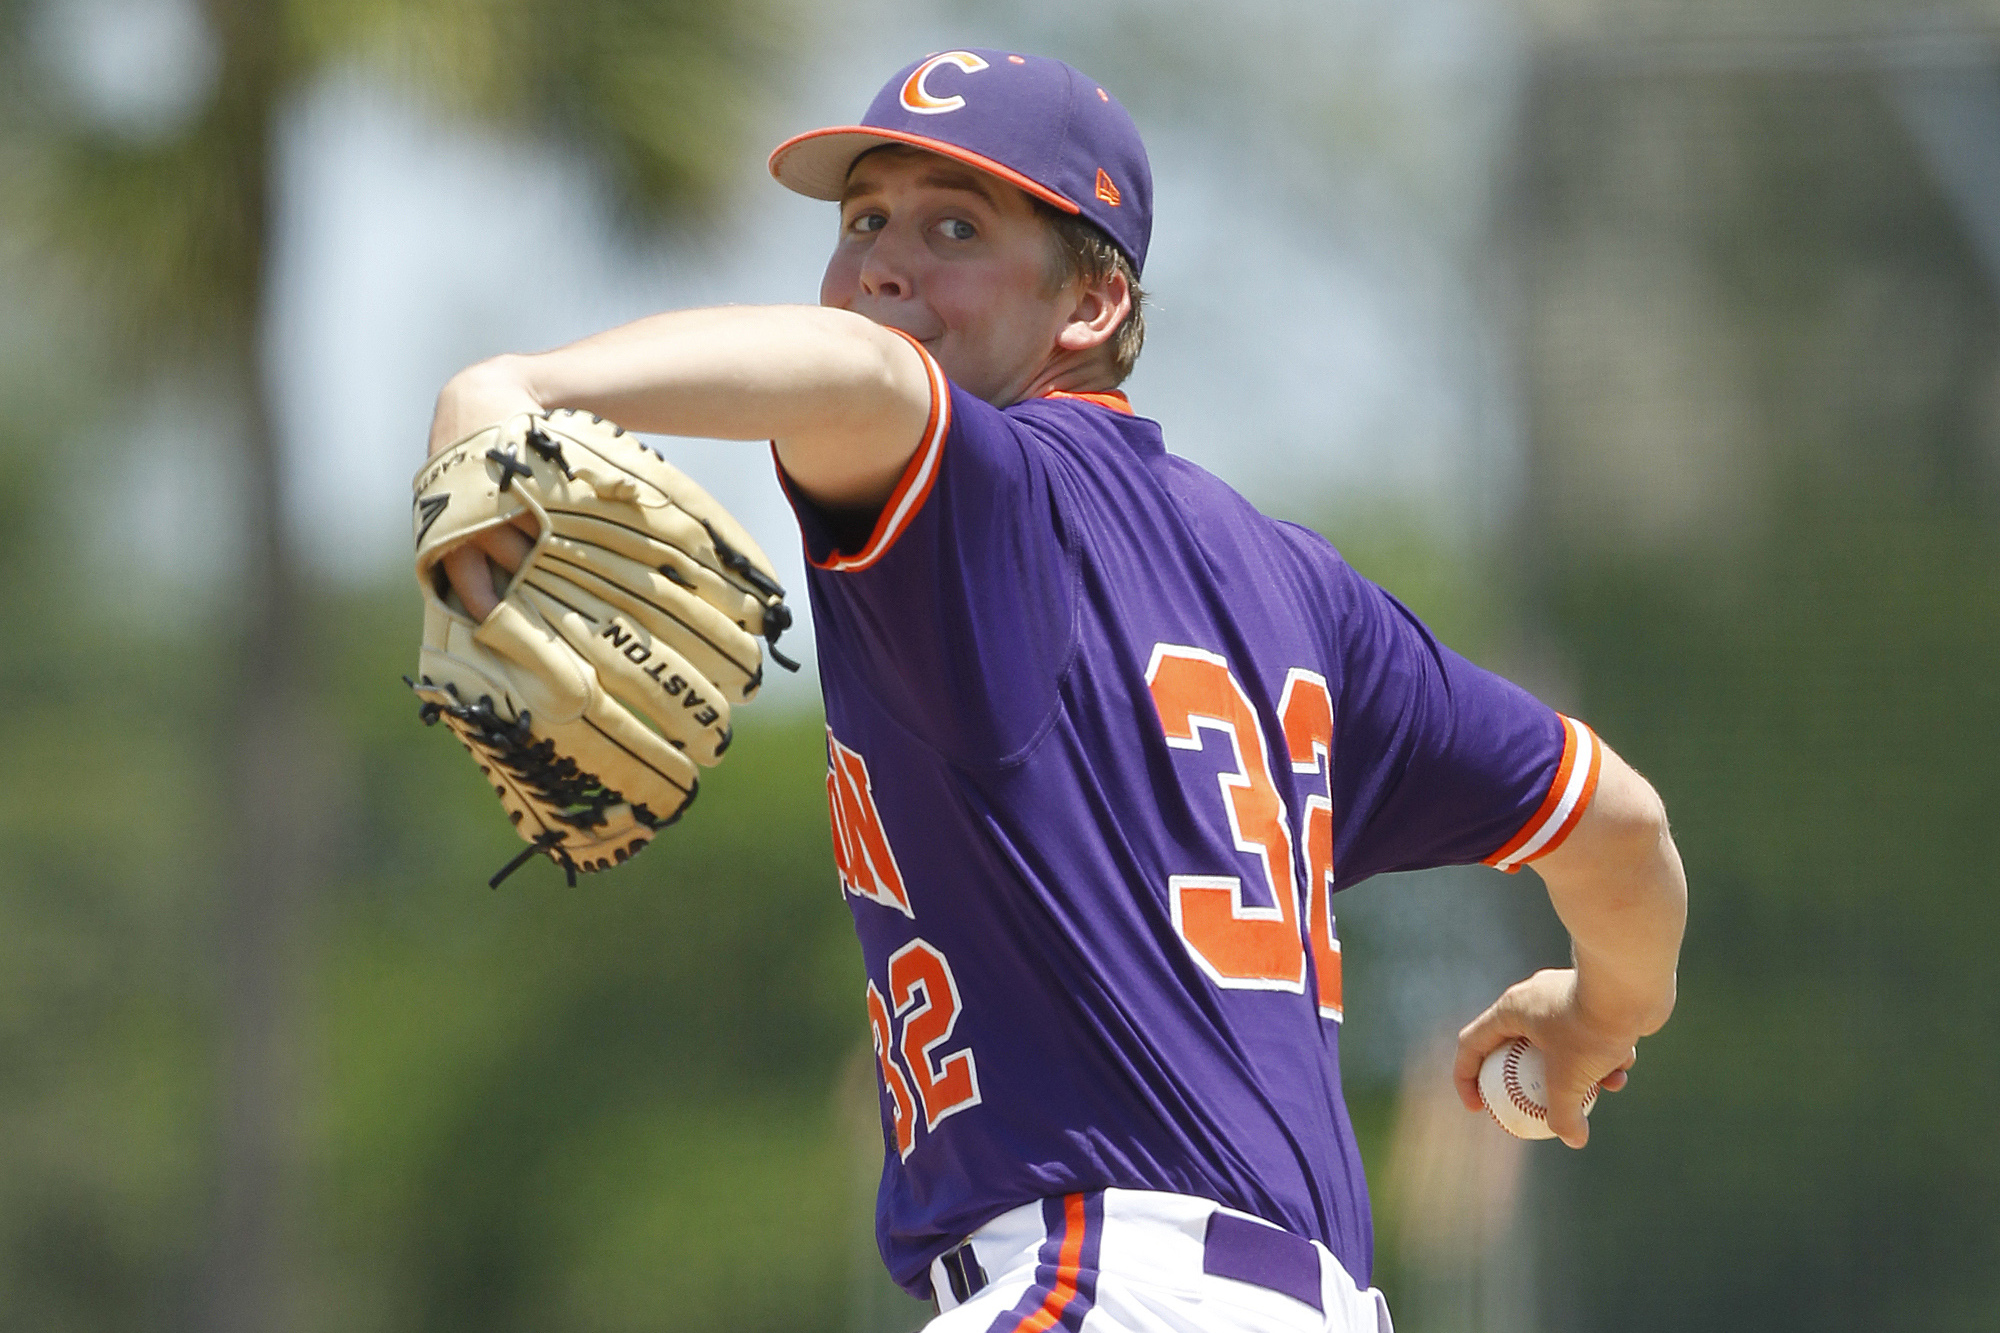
x: 1033, y: 122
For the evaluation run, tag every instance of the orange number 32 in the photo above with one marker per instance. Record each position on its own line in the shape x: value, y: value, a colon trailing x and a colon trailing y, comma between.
x: 923, y: 1002
x: 1240, y: 945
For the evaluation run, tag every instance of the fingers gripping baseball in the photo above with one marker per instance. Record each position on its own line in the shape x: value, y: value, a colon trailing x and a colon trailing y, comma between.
x: 592, y: 618
x: 1579, y: 1054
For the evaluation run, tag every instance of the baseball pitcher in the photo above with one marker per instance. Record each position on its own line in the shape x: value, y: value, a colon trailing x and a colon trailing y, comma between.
x: 1103, y: 742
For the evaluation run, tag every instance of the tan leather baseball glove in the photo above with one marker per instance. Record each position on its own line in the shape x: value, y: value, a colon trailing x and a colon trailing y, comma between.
x: 607, y: 673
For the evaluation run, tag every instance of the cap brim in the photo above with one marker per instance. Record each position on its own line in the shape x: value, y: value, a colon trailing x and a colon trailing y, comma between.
x: 816, y: 163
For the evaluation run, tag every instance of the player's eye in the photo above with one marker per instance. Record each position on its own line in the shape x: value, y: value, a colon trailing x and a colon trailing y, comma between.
x: 957, y: 229
x: 867, y: 222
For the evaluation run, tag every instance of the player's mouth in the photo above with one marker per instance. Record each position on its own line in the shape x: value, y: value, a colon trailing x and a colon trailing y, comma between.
x: 928, y: 337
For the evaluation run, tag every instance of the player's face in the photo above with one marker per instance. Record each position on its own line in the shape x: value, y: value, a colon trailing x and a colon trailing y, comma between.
x: 955, y: 258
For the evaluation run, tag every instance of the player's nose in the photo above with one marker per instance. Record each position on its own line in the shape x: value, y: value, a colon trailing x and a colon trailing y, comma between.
x: 886, y: 270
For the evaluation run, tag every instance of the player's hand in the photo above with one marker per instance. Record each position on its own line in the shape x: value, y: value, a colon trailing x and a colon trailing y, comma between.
x: 472, y: 400
x: 1581, y: 1048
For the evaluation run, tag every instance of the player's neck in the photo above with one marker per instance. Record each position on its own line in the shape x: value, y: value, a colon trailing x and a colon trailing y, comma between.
x: 1073, y: 372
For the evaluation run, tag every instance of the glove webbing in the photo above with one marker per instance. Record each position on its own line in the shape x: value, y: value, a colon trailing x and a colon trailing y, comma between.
x: 577, y: 798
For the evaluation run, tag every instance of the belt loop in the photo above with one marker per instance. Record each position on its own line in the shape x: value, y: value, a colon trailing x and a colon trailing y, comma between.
x: 1263, y: 1255
x: 962, y: 1271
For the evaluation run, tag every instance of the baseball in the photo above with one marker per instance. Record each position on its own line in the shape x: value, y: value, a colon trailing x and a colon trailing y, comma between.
x: 1514, y: 1087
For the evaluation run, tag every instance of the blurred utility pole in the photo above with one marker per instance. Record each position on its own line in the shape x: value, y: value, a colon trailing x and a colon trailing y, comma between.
x: 278, y: 800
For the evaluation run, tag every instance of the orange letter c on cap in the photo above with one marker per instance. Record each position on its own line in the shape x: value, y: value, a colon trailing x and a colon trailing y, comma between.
x: 918, y: 99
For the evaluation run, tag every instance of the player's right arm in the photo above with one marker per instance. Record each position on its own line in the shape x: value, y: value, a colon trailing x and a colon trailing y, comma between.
x: 1618, y: 886
x: 844, y: 400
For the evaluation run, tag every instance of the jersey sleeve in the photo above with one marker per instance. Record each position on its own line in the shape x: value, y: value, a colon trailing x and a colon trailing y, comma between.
x: 1442, y: 761
x: 955, y: 607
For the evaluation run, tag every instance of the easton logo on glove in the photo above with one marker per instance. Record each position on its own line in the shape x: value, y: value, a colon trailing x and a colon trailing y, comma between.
x: 606, y: 674
x: 428, y: 509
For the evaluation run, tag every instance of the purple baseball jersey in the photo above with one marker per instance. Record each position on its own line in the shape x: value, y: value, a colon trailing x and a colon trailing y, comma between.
x: 1102, y: 742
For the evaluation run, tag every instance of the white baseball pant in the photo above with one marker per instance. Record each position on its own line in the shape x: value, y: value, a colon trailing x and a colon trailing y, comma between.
x: 1138, y: 1261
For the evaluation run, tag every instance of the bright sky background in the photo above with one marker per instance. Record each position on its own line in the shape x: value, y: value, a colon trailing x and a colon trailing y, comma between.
x: 1320, y: 335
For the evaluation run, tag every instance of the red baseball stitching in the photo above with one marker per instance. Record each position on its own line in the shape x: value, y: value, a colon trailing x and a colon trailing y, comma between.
x: 1510, y: 1080
x: 1510, y: 1070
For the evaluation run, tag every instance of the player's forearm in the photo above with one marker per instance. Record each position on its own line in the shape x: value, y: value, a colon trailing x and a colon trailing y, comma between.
x: 732, y: 372
x: 845, y: 399
x: 1618, y: 886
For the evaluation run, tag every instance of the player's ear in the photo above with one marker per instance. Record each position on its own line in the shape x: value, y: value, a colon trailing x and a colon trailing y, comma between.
x: 1098, y: 309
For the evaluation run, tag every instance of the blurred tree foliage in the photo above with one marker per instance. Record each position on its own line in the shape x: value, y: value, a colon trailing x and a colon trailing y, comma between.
x: 105, y: 1051
x: 612, y: 1107
x: 625, y: 1106
x: 1808, y: 1151
x: 1811, y: 685
x: 632, y: 1105
x: 592, y: 1109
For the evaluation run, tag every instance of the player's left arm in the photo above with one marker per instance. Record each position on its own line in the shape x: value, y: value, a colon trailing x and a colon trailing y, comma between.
x: 843, y: 400
x: 1618, y: 886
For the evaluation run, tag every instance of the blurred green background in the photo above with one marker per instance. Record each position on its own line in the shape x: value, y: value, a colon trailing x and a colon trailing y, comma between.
x: 1649, y: 350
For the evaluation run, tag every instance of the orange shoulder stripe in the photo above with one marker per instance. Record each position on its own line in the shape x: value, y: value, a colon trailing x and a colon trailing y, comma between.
x: 1568, y: 796
x: 914, y: 486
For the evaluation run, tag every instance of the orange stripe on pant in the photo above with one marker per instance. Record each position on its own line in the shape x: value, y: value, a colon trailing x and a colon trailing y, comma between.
x: 1067, y: 1265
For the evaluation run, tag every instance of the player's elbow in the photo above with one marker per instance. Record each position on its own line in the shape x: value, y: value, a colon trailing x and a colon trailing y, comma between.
x: 1622, y: 848
x: 1633, y: 821
x: 1638, y: 868
x: 1626, y: 819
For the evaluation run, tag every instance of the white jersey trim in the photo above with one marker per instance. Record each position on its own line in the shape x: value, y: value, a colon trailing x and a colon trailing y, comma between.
x: 1569, y: 795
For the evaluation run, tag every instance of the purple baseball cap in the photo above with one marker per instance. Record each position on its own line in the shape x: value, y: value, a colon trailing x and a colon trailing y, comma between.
x: 1032, y: 121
